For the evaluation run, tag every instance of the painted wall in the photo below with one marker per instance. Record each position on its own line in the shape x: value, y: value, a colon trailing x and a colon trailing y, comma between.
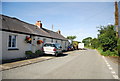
x: 23, y: 46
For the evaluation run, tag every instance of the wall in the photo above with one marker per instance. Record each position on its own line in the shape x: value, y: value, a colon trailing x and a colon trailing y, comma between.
x: 21, y: 45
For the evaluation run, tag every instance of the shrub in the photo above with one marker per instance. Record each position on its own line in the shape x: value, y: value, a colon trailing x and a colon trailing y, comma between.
x: 38, y: 53
x: 29, y: 54
x: 108, y: 52
x: 118, y: 46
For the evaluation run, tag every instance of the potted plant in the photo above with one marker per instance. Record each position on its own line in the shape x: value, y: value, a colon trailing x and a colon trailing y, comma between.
x: 39, y: 41
x: 28, y: 39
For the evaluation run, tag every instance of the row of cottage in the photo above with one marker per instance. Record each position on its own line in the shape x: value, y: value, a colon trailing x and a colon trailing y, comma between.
x: 19, y: 36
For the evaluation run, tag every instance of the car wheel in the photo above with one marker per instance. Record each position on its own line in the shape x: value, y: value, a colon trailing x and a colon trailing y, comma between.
x: 56, y: 54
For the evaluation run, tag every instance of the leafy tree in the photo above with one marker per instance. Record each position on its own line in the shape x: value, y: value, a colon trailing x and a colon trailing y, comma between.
x: 71, y: 38
x: 87, y: 41
x: 94, y: 43
x: 107, y: 38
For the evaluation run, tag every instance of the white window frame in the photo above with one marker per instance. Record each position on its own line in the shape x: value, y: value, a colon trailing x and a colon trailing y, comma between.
x: 12, y: 41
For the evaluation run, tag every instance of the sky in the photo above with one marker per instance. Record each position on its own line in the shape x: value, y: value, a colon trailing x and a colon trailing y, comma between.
x: 79, y: 19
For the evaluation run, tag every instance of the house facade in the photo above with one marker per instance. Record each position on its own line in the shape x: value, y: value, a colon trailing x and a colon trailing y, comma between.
x: 15, y: 33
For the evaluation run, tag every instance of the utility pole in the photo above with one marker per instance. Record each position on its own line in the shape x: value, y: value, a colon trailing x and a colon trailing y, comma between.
x: 52, y: 27
x: 116, y: 18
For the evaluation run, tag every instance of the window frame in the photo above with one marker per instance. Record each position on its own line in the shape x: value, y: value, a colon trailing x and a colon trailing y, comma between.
x: 11, y: 47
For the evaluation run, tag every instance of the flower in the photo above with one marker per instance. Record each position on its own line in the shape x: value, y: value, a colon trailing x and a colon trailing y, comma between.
x: 28, y: 39
x: 39, y: 41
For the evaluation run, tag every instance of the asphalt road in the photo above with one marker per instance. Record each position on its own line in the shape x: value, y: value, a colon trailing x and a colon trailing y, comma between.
x: 82, y: 64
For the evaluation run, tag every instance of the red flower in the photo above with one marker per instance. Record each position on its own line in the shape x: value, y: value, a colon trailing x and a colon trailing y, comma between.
x: 39, y: 41
x: 28, y: 39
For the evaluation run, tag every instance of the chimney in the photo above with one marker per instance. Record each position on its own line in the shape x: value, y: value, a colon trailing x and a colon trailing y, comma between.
x: 39, y: 24
x: 59, y: 32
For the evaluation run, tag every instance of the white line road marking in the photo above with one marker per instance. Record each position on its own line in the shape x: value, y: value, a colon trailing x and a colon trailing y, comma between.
x: 108, y: 65
x: 110, y: 68
x: 116, y: 76
x: 113, y: 72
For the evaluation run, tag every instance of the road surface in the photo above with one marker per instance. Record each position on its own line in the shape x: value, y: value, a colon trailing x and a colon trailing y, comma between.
x: 80, y: 64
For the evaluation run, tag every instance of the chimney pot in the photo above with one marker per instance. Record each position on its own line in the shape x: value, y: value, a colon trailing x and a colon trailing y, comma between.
x: 39, y: 24
x: 59, y: 32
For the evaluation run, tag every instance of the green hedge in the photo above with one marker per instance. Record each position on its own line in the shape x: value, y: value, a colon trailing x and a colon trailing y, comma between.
x: 30, y: 54
x: 39, y: 53
x: 118, y: 46
x: 108, y: 52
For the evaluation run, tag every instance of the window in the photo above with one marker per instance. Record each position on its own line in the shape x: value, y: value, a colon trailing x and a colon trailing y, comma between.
x: 65, y: 45
x: 49, y: 45
x: 12, y: 41
x: 44, y: 40
x: 51, y: 40
x: 56, y: 41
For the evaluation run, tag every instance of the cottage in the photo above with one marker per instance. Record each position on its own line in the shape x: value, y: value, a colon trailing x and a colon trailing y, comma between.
x: 19, y: 36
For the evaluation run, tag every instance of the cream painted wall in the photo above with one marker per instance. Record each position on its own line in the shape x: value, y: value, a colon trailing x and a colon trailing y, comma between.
x: 23, y: 46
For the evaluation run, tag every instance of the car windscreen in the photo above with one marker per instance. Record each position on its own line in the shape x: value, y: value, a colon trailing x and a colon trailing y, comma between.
x: 57, y: 45
x: 49, y: 45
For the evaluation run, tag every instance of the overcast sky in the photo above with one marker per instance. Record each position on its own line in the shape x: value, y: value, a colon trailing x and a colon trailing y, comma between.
x: 72, y: 18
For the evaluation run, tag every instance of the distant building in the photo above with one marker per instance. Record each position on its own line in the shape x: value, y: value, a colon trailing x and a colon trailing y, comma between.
x: 19, y: 36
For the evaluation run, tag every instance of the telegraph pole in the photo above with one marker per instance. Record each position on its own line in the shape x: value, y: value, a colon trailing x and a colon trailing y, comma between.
x: 52, y: 27
x: 116, y: 18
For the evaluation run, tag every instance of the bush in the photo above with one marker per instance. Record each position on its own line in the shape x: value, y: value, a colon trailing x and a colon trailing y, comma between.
x: 29, y: 54
x: 118, y: 46
x: 38, y: 53
x: 108, y: 52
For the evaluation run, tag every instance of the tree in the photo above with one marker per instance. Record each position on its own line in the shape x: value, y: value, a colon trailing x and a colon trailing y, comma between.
x: 94, y: 43
x: 87, y: 41
x: 107, y: 37
x: 71, y: 38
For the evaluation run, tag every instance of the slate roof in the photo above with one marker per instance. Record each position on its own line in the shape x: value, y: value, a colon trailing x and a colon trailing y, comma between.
x: 16, y: 25
x: 54, y: 34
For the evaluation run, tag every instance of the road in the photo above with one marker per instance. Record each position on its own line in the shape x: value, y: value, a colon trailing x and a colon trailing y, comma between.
x: 81, y: 64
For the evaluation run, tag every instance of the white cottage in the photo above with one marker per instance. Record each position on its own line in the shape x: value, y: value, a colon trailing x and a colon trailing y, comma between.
x: 15, y: 31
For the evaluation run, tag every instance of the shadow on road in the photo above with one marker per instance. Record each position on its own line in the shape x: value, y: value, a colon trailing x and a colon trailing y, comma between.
x: 83, y: 49
x: 60, y: 55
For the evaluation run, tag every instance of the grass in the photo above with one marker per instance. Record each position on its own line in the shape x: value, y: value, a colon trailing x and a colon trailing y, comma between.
x: 108, y: 52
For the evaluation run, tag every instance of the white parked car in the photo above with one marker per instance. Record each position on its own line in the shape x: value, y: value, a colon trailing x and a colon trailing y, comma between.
x: 52, y: 48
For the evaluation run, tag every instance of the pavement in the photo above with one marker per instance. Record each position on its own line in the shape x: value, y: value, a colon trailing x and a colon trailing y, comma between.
x: 12, y: 65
